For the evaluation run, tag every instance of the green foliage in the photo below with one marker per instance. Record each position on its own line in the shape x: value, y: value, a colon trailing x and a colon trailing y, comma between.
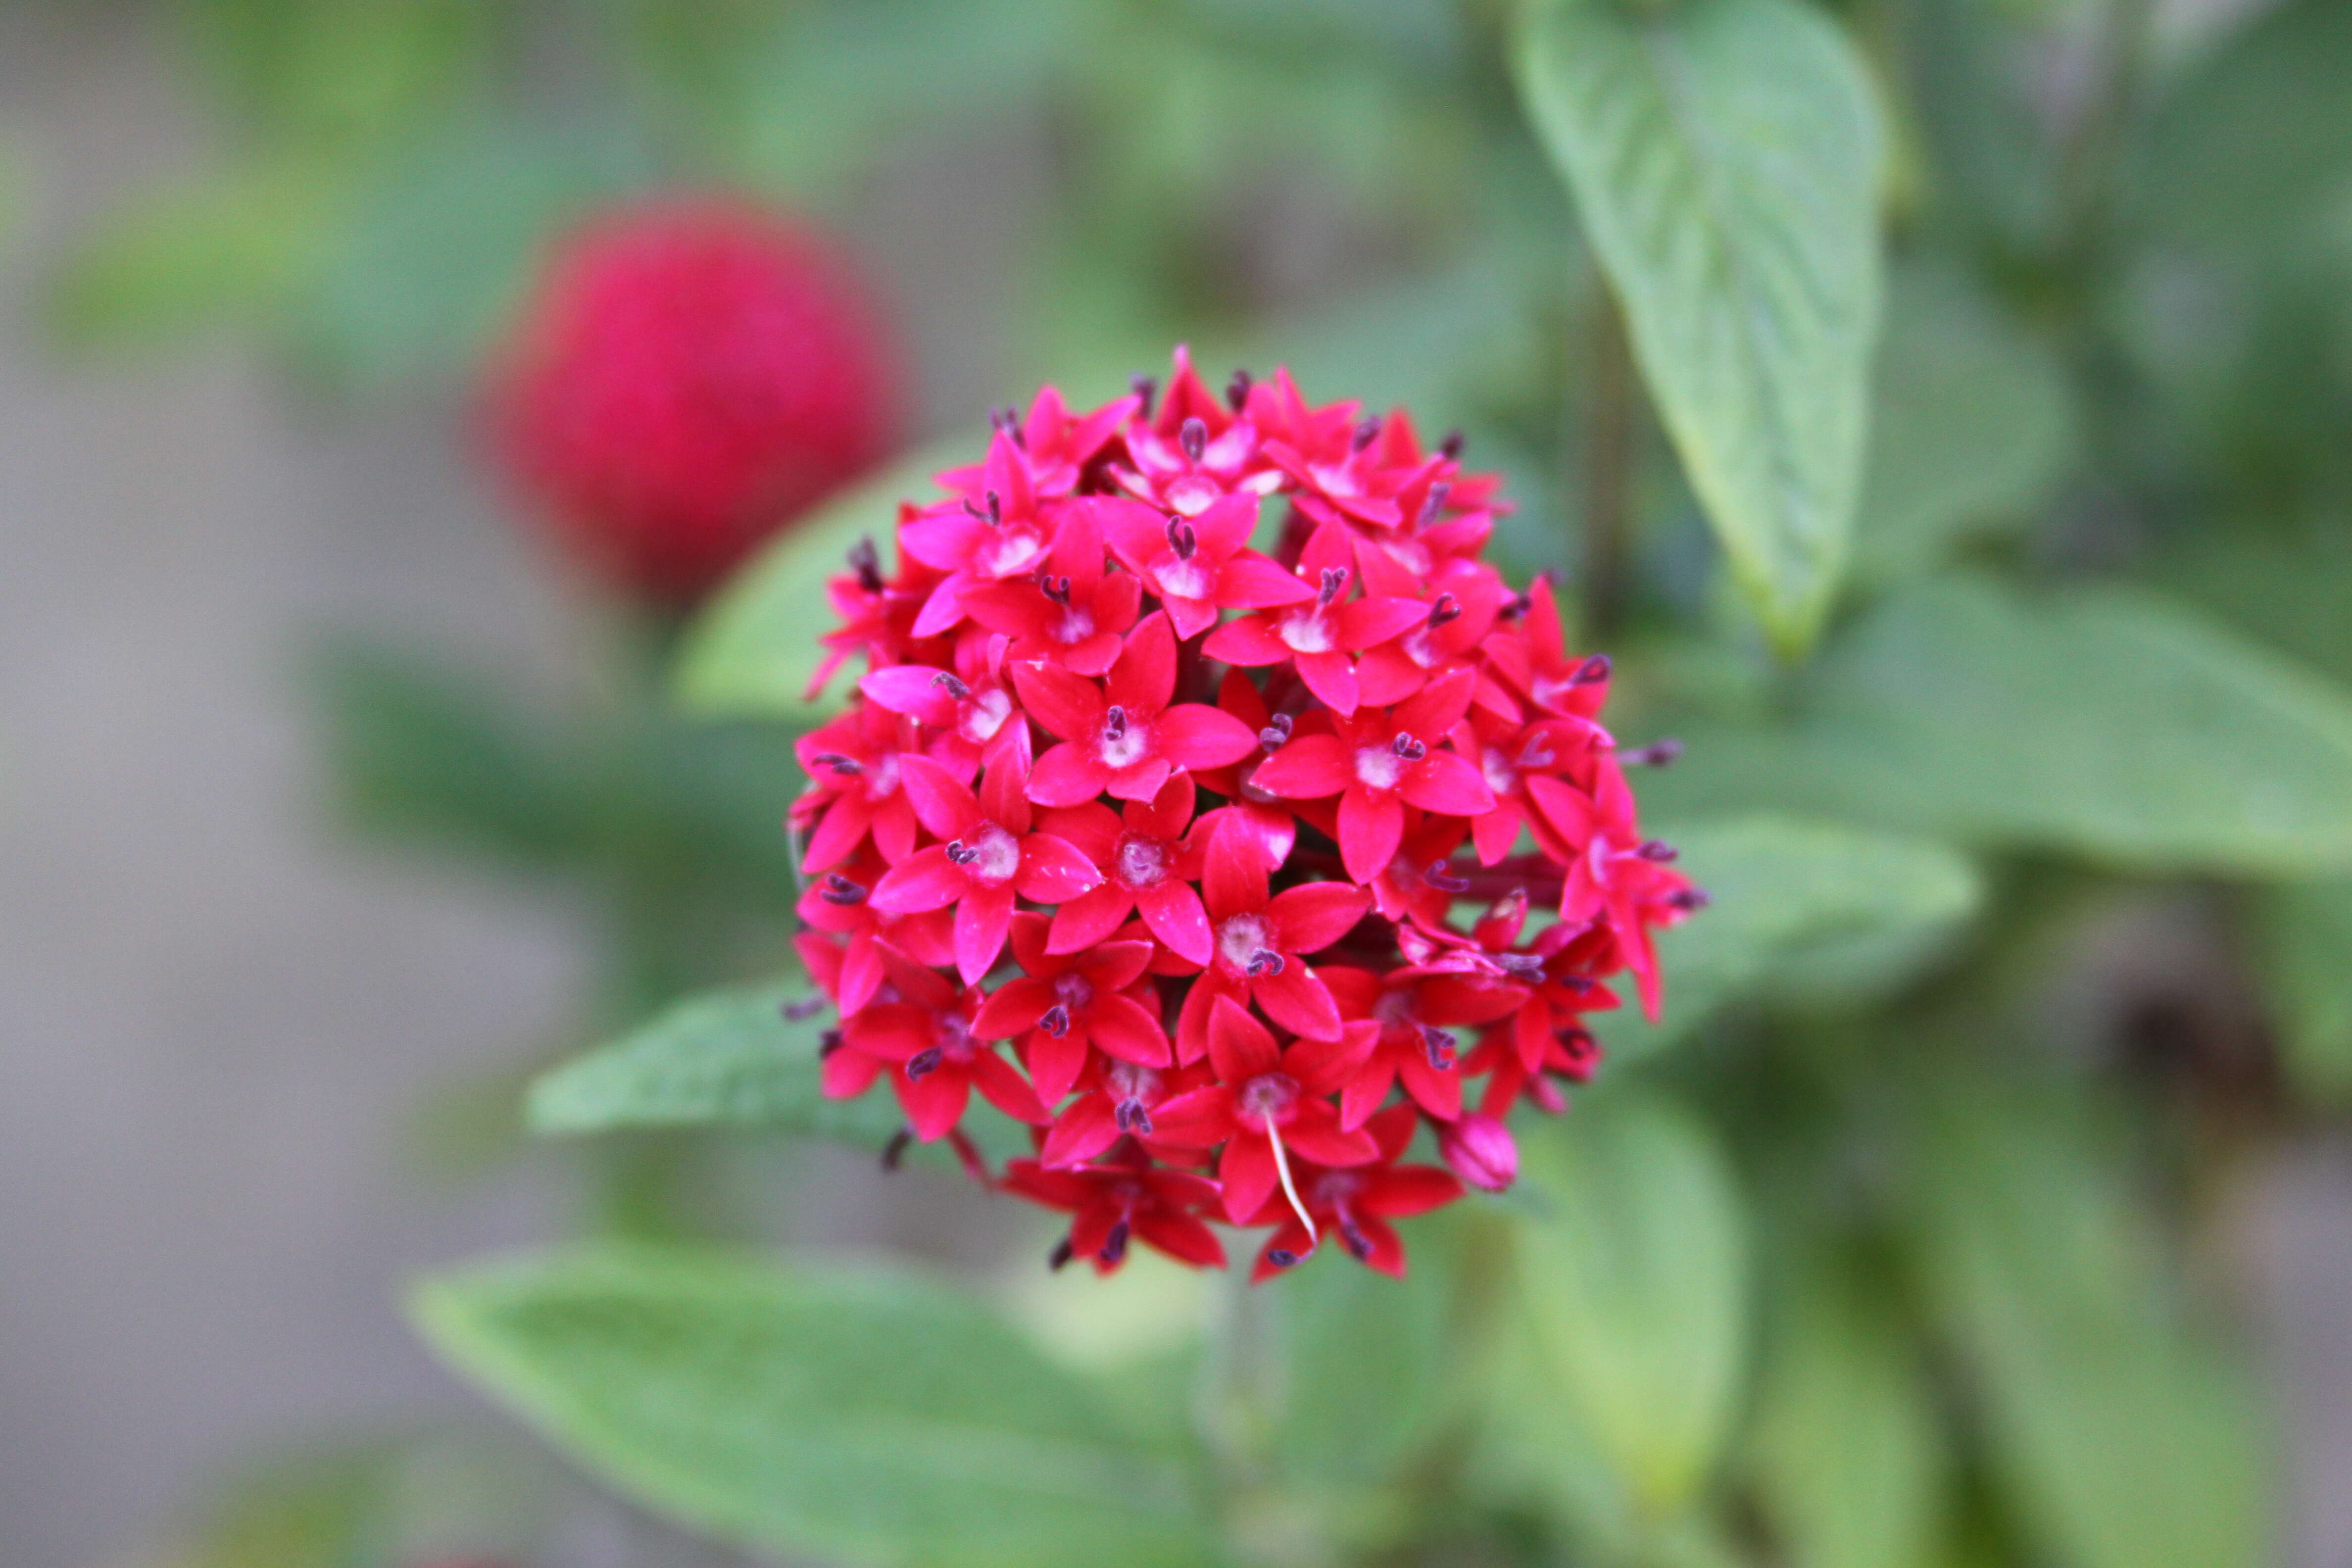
x: 2304, y: 945
x: 1847, y: 1451
x: 753, y: 649
x: 1783, y: 889
x: 2121, y: 1440
x: 1972, y: 423
x: 1632, y: 1275
x: 874, y: 1417
x: 2104, y: 723
x: 1724, y: 159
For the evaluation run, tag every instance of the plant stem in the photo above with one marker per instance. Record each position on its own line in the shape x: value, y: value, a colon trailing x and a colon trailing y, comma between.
x: 1608, y: 469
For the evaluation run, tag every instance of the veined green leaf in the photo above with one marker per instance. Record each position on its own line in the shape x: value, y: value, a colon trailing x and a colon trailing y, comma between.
x: 872, y: 1416
x: 1633, y: 1283
x: 1725, y: 158
x: 2106, y: 723
x: 1784, y: 891
x: 752, y: 650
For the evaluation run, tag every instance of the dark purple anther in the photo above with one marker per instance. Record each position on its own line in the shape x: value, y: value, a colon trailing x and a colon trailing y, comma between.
x: 841, y: 891
x: 1237, y: 390
x: 1145, y: 388
x: 924, y: 1063
x: 1656, y: 755
x: 1446, y: 608
x: 867, y: 564
x: 1193, y: 436
x: 1335, y: 580
x: 1437, y: 877
x: 805, y: 1008
x: 1410, y: 750
x: 1114, y: 1247
x: 1367, y: 431
x: 1595, y: 668
x: 1057, y: 1021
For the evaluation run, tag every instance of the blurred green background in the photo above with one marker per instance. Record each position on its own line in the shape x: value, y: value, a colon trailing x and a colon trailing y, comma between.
x: 1985, y: 1198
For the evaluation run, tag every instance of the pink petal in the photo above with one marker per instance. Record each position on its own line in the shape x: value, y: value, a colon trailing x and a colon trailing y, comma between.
x: 1363, y: 622
x: 1087, y: 919
x: 1145, y: 676
x: 1070, y: 775
x: 1123, y: 1027
x: 982, y: 920
x: 1053, y: 871
x: 1330, y: 676
x: 1088, y: 1126
x: 927, y: 880
x: 1172, y: 912
x: 1439, y: 705
x: 912, y: 689
x: 1248, y: 1173
x: 1013, y: 1009
x: 1312, y: 916
x: 1194, y: 735
x: 1070, y: 705
x: 1250, y: 582
x: 1251, y: 640
x: 946, y: 808
x: 1138, y: 781
x: 1372, y: 826
x: 1297, y: 1000
x: 1310, y: 767
x: 1198, y: 1119
x: 1233, y: 870
x: 1239, y: 1046
x: 933, y: 1103
x: 841, y: 830
x: 1225, y: 525
x: 1444, y: 783
x: 1053, y: 1065
x: 1190, y: 616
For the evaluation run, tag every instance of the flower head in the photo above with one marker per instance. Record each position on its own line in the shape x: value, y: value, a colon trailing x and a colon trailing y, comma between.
x: 689, y: 375
x: 1222, y: 809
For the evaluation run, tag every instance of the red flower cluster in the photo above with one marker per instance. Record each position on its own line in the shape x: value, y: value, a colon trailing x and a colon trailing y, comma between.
x: 689, y: 375
x: 1244, y: 795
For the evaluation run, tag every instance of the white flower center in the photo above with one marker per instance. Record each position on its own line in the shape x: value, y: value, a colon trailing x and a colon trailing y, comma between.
x: 1013, y: 551
x: 1418, y: 649
x: 1183, y: 579
x: 1501, y: 777
x: 1378, y: 766
x: 995, y: 854
x: 985, y: 714
x: 1192, y: 494
x: 1268, y: 1095
x: 1239, y: 938
x: 882, y: 776
x: 1123, y: 745
x: 1142, y: 862
x: 1077, y: 625
x: 1072, y: 991
x: 1308, y: 632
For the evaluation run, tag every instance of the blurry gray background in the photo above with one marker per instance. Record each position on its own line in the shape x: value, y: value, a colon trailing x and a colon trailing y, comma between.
x: 217, y: 1019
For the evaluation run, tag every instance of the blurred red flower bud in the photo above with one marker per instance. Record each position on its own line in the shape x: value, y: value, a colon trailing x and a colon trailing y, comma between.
x: 689, y: 374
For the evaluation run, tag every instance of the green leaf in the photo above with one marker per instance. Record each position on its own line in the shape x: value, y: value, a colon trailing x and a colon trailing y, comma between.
x: 2288, y: 596
x: 2119, y: 1440
x: 2302, y: 941
x: 874, y: 1417
x: 1632, y: 1281
x: 1784, y: 891
x: 752, y: 650
x: 2256, y: 144
x: 1845, y: 1449
x: 728, y: 1059
x: 1724, y: 159
x: 1973, y: 422
x: 2106, y: 722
